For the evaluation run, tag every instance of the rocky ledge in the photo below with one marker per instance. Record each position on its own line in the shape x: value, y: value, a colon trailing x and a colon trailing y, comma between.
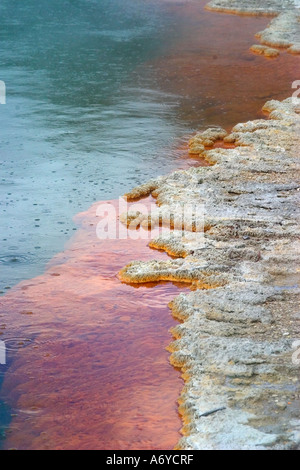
x: 239, y: 332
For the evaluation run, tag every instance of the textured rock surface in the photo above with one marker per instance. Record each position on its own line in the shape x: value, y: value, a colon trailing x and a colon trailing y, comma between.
x: 283, y: 31
x: 235, y: 342
x: 254, y: 7
x: 206, y: 139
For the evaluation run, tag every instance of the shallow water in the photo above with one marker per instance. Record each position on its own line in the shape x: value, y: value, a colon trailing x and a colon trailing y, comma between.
x: 102, y: 96
x: 87, y: 366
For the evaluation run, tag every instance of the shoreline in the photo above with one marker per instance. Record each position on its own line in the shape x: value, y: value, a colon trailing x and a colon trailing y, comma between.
x: 284, y: 29
x: 235, y: 343
x: 245, y: 308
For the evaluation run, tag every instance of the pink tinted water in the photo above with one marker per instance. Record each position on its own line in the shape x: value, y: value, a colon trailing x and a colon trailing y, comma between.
x: 89, y: 368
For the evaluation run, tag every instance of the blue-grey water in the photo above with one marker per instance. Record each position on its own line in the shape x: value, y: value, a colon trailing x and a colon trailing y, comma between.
x: 82, y: 122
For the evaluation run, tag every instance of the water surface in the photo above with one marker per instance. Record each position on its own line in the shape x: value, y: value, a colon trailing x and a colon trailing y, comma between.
x: 101, y: 96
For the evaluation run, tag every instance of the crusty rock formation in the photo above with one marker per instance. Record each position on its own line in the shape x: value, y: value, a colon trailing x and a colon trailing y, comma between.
x: 239, y: 325
x: 264, y: 50
x: 253, y: 7
x: 283, y: 31
x: 206, y: 139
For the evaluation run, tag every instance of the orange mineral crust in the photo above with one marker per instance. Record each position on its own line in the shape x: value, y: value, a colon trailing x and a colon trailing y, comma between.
x: 87, y: 364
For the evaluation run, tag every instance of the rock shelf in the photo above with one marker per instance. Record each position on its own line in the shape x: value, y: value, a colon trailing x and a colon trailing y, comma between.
x: 240, y: 324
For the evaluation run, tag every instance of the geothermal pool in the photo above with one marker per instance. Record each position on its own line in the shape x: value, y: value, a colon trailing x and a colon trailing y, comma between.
x: 102, y: 96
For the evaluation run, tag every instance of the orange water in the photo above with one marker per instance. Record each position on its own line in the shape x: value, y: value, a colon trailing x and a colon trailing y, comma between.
x: 220, y: 81
x: 89, y: 369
